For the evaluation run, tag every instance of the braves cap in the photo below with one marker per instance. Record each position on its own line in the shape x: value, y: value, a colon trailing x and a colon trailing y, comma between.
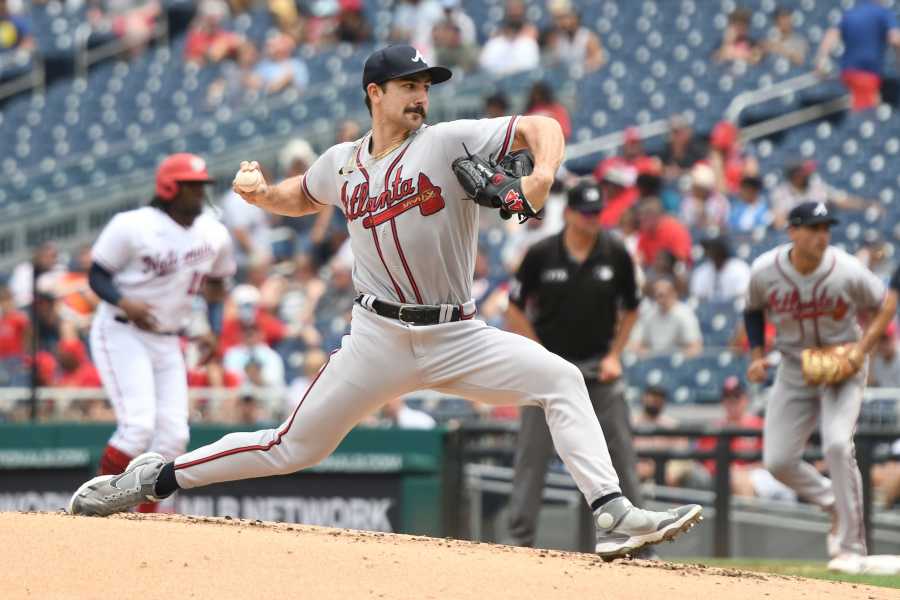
x: 811, y: 213
x: 400, y: 60
x: 585, y: 197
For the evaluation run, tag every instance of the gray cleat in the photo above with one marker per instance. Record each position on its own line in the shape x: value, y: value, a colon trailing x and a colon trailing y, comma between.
x: 622, y: 528
x: 108, y: 494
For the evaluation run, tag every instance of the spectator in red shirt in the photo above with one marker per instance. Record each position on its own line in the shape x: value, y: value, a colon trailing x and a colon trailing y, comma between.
x: 75, y: 369
x: 619, y: 194
x: 207, y: 40
x: 542, y: 101
x: 213, y: 375
x: 727, y: 158
x: 15, y: 329
x: 631, y: 157
x: 246, y: 310
x: 735, y: 403
x: 659, y: 231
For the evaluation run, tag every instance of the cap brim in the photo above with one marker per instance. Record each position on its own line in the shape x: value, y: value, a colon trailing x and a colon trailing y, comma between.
x: 816, y: 221
x: 195, y: 179
x: 438, y: 74
x: 587, y: 210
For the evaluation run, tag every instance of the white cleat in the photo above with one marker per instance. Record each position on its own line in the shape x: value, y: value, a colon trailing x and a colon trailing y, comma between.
x: 849, y: 564
x: 623, y: 529
x: 108, y: 494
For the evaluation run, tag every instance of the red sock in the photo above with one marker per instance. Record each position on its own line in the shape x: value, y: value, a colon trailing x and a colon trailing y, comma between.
x: 113, y: 461
x: 148, y: 507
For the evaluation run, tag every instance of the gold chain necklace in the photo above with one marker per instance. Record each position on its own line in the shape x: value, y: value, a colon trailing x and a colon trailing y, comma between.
x: 389, y: 149
x: 348, y: 168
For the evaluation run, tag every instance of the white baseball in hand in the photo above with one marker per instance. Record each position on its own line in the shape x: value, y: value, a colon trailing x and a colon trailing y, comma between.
x: 249, y: 180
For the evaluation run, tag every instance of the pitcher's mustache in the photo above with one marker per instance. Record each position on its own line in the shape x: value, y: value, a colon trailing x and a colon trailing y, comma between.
x: 416, y: 109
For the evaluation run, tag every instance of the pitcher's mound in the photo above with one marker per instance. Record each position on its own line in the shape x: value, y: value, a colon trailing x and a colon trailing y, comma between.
x: 175, y: 557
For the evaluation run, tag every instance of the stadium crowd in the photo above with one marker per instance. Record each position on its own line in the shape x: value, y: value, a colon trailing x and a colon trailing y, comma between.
x: 679, y: 206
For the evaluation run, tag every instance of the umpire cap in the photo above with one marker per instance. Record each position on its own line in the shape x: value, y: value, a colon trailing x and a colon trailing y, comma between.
x: 399, y: 60
x: 585, y: 197
x: 811, y: 213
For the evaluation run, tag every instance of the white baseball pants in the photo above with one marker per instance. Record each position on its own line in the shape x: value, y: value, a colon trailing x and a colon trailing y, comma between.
x: 383, y: 358
x: 146, y: 380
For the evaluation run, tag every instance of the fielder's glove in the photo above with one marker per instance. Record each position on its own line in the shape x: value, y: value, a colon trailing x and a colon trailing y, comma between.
x: 830, y: 365
x: 497, y: 185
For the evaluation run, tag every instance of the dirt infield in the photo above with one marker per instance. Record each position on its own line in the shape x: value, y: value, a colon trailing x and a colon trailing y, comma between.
x: 49, y: 556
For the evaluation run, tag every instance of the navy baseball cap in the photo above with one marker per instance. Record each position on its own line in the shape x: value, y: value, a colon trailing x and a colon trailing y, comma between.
x: 400, y: 60
x: 811, y: 213
x: 585, y: 197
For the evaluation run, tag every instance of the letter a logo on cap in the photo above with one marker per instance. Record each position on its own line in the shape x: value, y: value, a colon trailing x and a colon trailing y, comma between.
x: 418, y: 57
x: 820, y: 209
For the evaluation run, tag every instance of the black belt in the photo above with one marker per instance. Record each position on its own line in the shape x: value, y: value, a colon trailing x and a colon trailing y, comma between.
x: 126, y: 321
x: 413, y: 314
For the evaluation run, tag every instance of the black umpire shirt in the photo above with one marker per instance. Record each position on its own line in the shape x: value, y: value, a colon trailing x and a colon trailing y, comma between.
x: 574, y: 306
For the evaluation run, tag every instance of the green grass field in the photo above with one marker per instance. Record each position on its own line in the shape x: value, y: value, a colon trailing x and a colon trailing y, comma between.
x: 800, y: 568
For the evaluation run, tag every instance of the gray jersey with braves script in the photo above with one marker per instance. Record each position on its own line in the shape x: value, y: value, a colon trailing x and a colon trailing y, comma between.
x: 818, y: 309
x: 412, y: 231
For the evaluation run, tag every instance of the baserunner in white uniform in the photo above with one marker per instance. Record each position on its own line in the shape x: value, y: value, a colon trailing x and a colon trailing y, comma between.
x: 148, y: 265
x: 413, y: 233
x: 814, y: 293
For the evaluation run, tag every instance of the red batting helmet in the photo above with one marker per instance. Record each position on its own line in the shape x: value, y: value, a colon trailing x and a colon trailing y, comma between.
x: 176, y: 168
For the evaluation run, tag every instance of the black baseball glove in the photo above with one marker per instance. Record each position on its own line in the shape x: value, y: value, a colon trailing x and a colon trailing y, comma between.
x: 497, y: 185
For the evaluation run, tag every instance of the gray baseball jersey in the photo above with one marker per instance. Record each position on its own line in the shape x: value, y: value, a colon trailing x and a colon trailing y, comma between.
x: 817, y: 309
x: 425, y: 263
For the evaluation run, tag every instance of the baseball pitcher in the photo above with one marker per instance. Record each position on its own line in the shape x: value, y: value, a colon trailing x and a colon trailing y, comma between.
x: 411, y: 194
x: 814, y: 293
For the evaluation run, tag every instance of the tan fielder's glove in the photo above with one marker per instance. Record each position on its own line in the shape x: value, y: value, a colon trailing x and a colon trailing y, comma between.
x: 830, y: 365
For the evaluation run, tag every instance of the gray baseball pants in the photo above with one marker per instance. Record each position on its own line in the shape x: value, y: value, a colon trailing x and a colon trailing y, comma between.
x: 791, y: 416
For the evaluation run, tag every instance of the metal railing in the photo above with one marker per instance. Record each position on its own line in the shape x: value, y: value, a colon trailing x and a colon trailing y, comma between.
x: 34, y: 79
x: 787, y: 87
x: 866, y: 442
x: 794, y: 118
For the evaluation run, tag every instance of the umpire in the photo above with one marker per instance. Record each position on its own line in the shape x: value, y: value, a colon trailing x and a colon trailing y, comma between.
x: 576, y: 293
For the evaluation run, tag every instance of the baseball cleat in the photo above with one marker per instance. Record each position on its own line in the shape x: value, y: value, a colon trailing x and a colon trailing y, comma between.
x: 622, y: 528
x: 108, y: 494
x: 850, y: 564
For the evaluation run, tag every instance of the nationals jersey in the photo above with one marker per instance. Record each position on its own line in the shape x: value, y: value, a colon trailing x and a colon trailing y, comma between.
x: 413, y: 232
x: 818, y: 309
x: 154, y: 259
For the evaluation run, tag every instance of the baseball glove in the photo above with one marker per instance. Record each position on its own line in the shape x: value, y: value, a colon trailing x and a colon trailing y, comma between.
x: 497, y: 185
x: 830, y: 365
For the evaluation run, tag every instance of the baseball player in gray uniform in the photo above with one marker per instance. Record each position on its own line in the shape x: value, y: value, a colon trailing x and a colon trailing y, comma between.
x: 814, y: 293
x: 414, y: 235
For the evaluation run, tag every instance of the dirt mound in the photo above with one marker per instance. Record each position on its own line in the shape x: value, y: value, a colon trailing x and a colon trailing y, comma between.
x: 174, y: 557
